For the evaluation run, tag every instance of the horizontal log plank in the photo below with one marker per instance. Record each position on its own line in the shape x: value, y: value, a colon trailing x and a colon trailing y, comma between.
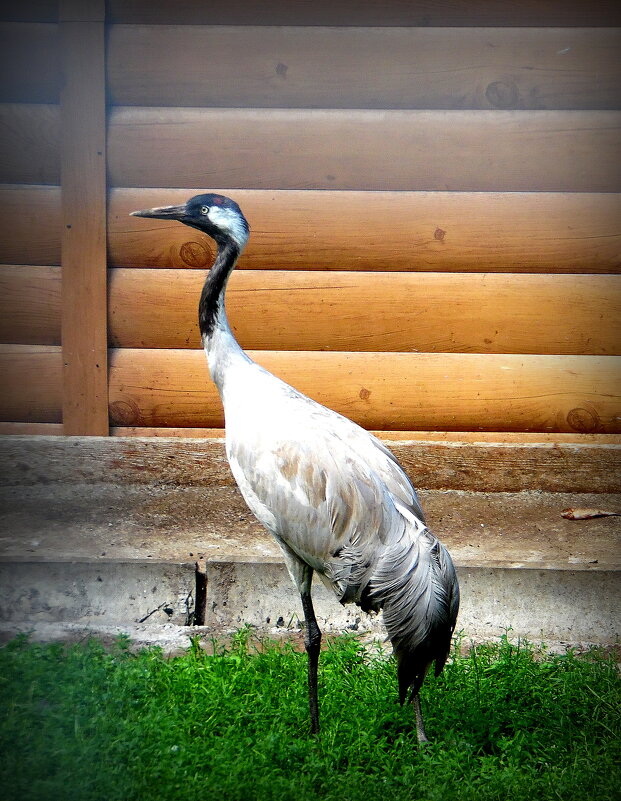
x: 304, y: 149
x: 30, y: 305
x: 315, y: 230
x: 441, y: 68
x: 282, y: 310
x: 31, y: 386
x: 355, y: 311
x: 29, y: 63
x: 353, y: 12
x: 30, y: 225
x: 477, y: 437
x: 385, y: 390
x: 508, y: 232
x: 581, y: 466
x: 29, y: 143
x: 570, y: 151
x: 318, y: 67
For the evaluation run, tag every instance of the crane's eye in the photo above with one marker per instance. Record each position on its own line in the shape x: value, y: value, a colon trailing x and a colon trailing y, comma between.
x: 204, y: 209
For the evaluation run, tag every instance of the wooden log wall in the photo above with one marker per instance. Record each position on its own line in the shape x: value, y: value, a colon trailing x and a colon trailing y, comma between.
x: 434, y: 193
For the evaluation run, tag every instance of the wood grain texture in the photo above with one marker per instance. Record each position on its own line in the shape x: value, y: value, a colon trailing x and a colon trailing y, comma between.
x: 356, y: 311
x: 488, y: 232
x: 314, y: 230
x: 31, y: 429
x: 569, y: 151
x: 506, y: 467
x: 385, y: 390
x: 352, y: 12
x: 557, y: 466
x: 29, y: 143
x: 31, y: 386
x: 318, y: 67
x: 477, y: 437
x: 30, y: 225
x: 84, y: 334
x: 29, y: 63
x: 30, y: 300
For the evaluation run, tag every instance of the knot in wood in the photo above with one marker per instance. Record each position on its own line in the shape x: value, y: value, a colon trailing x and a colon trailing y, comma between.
x: 195, y: 254
x: 586, y: 421
x: 502, y: 94
x: 125, y: 413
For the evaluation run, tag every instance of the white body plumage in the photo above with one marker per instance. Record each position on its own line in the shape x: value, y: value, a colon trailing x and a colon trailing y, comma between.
x: 336, y: 501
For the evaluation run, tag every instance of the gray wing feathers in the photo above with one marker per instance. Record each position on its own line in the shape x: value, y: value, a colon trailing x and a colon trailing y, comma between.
x: 372, y: 453
x: 329, y: 508
x: 416, y: 585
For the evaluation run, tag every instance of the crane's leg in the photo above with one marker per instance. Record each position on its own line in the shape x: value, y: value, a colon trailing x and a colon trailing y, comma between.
x: 420, y: 726
x: 312, y: 641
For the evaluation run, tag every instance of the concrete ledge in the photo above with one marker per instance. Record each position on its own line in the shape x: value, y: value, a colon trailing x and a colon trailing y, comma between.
x: 81, y: 591
x: 547, y: 605
x: 551, y: 605
x: 102, y: 534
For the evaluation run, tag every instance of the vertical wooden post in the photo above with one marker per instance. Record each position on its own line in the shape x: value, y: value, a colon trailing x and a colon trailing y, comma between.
x: 83, y: 180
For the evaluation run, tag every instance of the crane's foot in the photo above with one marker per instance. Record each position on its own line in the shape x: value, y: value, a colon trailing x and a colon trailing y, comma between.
x: 420, y: 726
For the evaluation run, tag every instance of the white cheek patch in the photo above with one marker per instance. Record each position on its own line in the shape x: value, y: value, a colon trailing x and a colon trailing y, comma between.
x: 230, y: 223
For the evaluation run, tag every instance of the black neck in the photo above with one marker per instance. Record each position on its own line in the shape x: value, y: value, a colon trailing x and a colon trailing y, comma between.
x: 213, y: 289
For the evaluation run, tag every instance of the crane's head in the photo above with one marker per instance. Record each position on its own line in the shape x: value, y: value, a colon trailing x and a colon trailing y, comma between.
x: 216, y: 215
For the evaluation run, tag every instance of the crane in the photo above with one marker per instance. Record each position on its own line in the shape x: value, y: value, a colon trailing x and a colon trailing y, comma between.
x: 332, y: 495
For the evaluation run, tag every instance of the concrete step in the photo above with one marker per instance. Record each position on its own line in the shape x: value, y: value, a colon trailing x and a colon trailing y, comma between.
x: 97, y: 556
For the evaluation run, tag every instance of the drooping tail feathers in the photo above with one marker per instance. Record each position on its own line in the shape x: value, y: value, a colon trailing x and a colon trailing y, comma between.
x: 415, y: 584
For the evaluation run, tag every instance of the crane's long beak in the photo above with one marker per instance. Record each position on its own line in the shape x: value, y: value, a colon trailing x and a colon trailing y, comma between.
x: 163, y: 212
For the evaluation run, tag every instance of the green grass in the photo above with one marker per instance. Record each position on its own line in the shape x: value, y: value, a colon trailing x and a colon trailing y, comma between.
x: 507, y: 722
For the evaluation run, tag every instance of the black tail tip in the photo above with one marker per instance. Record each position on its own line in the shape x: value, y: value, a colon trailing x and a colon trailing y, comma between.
x: 410, y: 677
x: 405, y: 677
